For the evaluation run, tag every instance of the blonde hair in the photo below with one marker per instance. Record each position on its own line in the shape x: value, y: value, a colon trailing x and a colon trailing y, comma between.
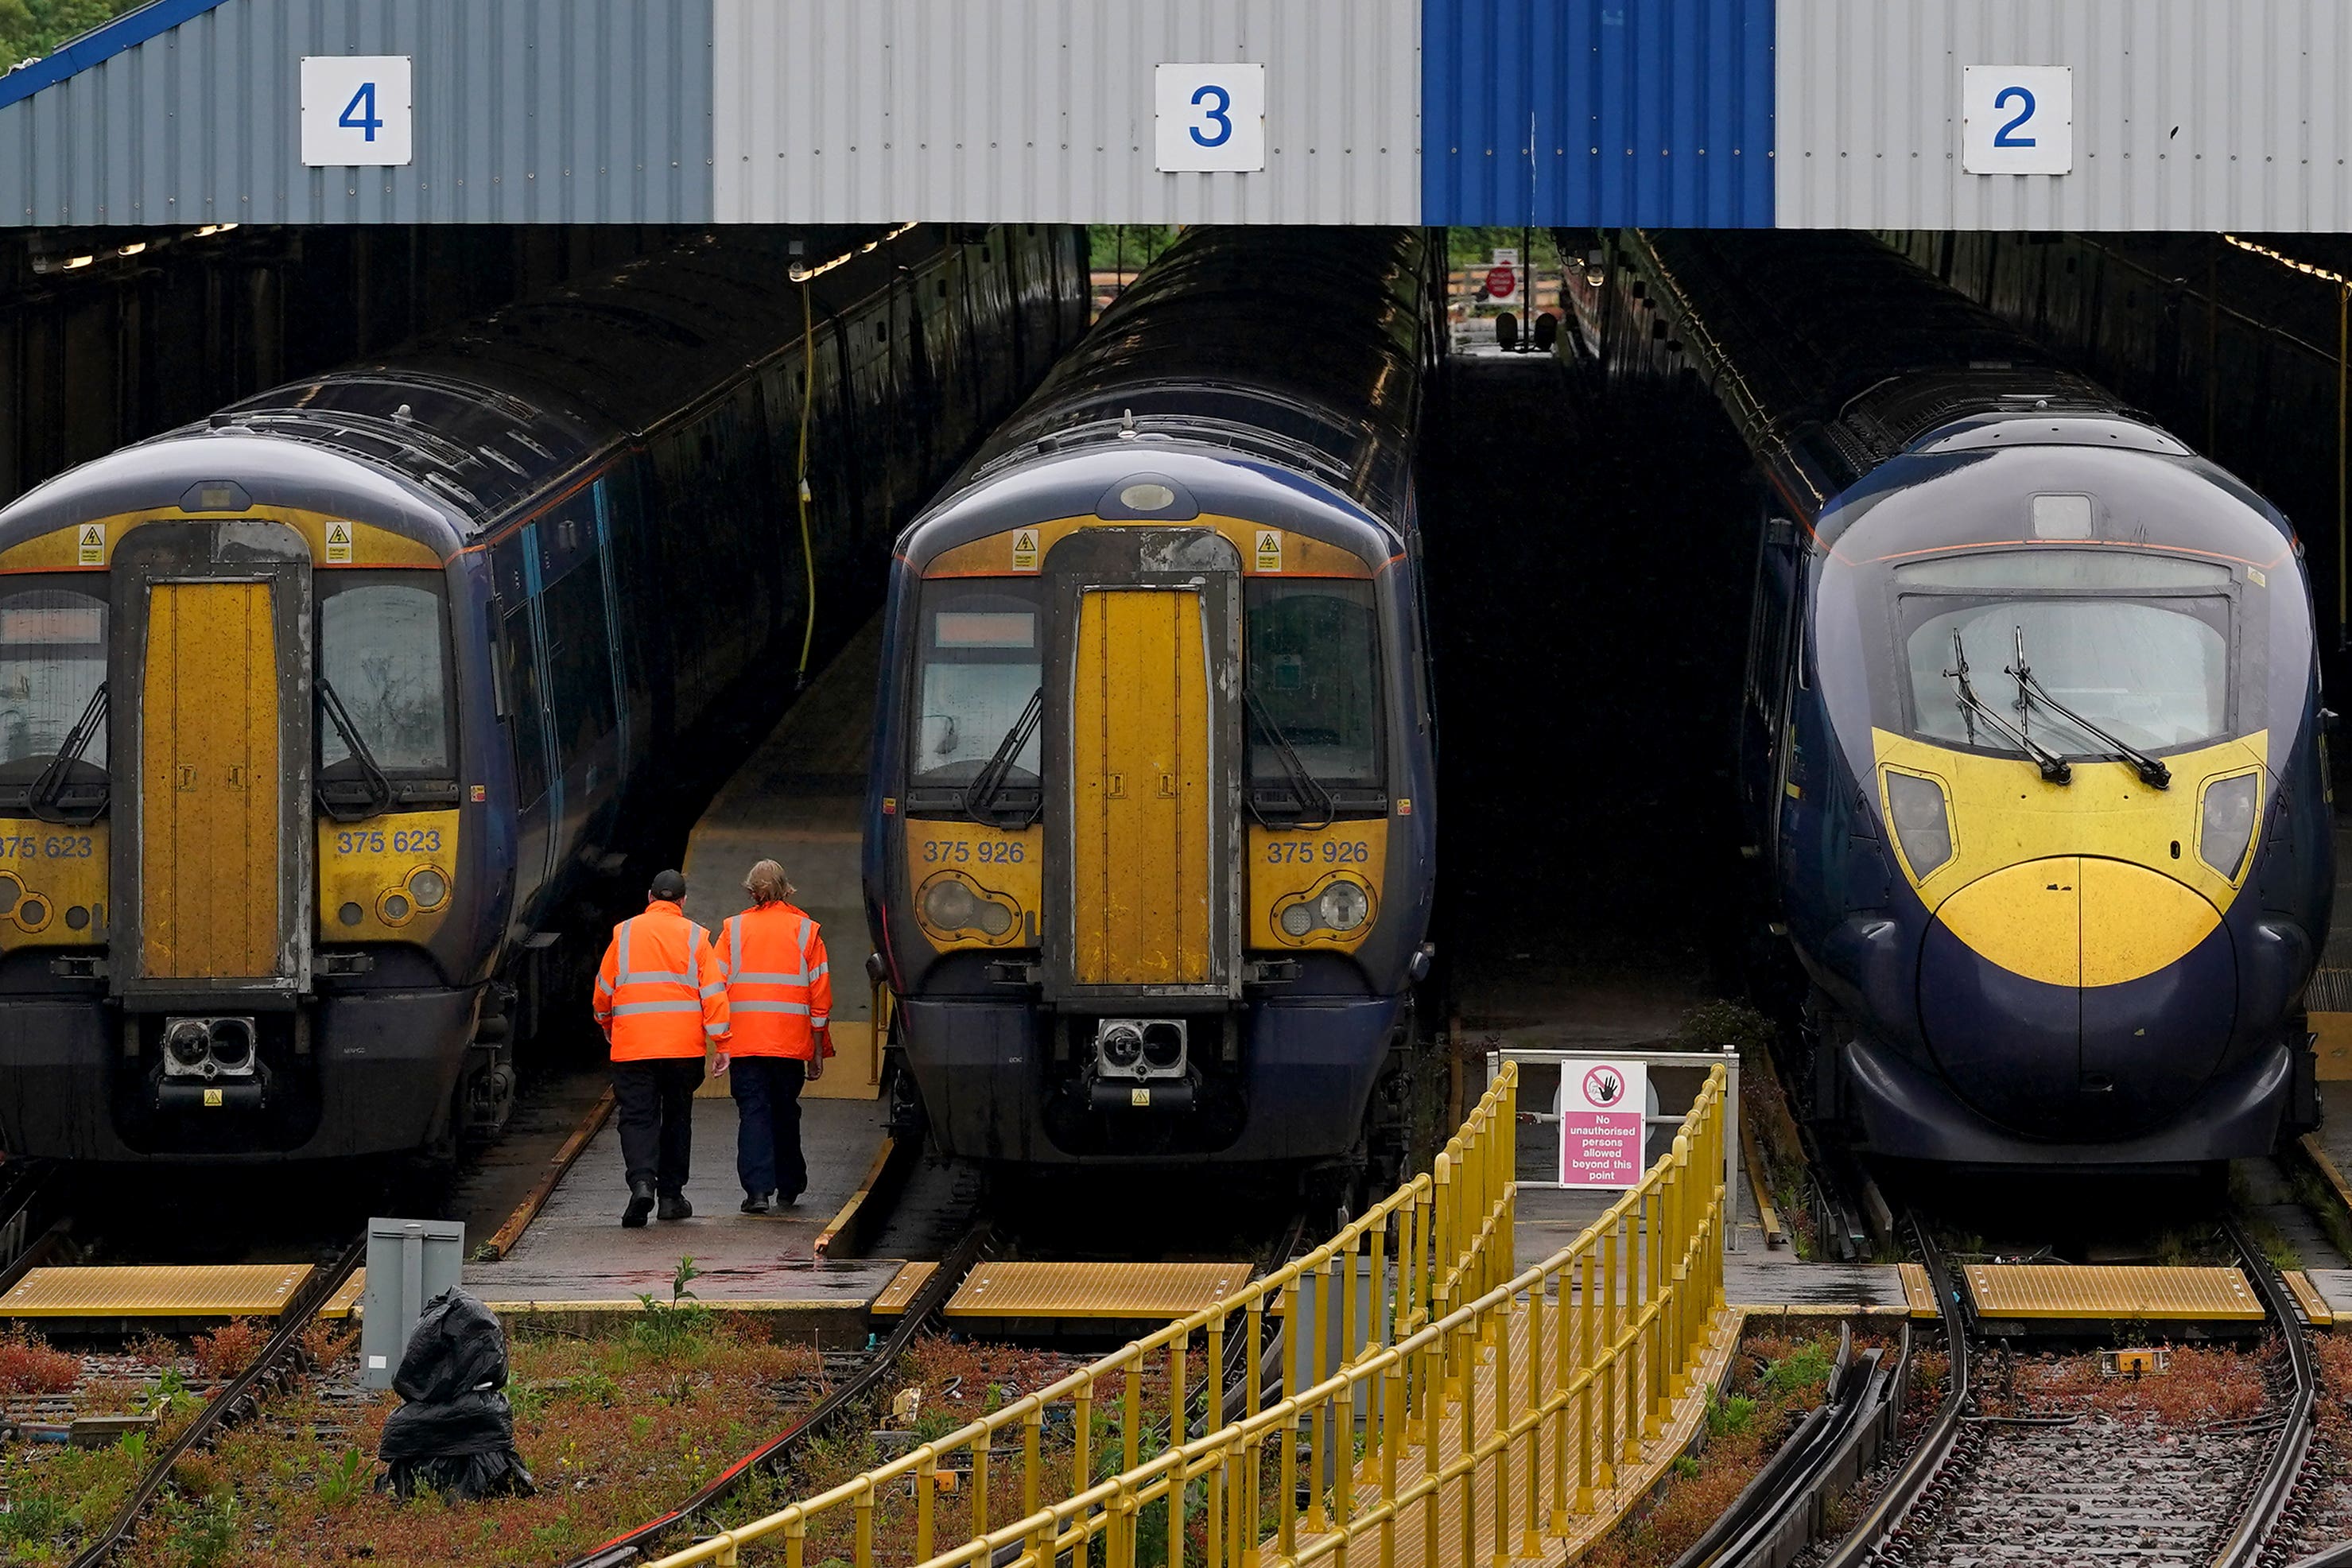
x: 766, y: 883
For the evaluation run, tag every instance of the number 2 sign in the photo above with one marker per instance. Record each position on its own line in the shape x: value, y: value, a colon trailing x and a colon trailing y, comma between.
x: 2017, y: 120
x: 355, y: 109
x: 1210, y: 117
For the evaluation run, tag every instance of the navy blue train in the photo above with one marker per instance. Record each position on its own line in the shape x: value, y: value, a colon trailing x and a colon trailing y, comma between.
x: 2031, y: 737
x: 1149, y: 847
x: 329, y: 727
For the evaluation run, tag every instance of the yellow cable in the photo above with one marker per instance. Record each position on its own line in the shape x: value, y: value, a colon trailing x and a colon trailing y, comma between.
x: 808, y: 557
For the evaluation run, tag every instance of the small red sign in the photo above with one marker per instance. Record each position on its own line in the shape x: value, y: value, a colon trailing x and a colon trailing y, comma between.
x: 1502, y: 283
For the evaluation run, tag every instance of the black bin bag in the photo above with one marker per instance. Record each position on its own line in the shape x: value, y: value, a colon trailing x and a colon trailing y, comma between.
x: 455, y: 1433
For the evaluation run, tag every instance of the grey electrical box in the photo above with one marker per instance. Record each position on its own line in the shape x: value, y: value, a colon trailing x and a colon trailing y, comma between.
x: 409, y: 1262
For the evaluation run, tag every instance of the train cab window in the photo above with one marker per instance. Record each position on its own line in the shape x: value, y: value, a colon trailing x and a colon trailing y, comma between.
x: 52, y: 669
x: 2135, y: 644
x: 1313, y: 652
x: 982, y: 656
x: 384, y: 655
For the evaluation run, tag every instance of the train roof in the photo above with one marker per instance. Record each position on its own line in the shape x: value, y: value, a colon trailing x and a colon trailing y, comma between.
x: 1085, y: 480
x: 1321, y: 376
x: 472, y: 421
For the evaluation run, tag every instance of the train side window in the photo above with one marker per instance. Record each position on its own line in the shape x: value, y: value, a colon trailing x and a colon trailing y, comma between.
x: 982, y: 654
x: 522, y: 689
x: 578, y: 658
x: 383, y: 646
x: 52, y: 662
x: 1313, y: 658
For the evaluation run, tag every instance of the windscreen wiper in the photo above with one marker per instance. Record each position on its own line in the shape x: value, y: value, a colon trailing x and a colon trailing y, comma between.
x: 1312, y: 797
x: 2054, y: 766
x: 379, y: 788
x: 45, y: 799
x: 2151, y: 772
x: 979, y: 799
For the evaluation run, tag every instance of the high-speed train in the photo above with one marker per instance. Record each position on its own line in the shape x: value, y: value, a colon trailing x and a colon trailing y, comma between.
x: 328, y: 726
x: 2031, y: 736
x: 1149, y: 848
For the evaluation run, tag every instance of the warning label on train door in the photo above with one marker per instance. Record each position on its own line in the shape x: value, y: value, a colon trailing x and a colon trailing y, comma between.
x: 93, y: 545
x: 339, y: 543
x: 1025, y: 550
x: 1269, y: 550
x: 1602, y: 1108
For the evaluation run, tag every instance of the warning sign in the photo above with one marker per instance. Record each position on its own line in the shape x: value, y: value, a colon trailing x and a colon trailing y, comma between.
x: 339, y: 542
x: 1269, y: 550
x: 92, y: 551
x: 1602, y: 1109
x: 1025, y: 550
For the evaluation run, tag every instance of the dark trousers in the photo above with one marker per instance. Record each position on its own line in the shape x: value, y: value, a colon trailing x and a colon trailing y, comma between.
x: 767, y: 1093
x: 655, y: 1103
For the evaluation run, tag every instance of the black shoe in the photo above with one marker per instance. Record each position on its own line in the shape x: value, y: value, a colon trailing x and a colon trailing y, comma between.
x: 786, y: 1200
x: 675, y: 1207
x: 755, y: 1203
x: 641, y: 1203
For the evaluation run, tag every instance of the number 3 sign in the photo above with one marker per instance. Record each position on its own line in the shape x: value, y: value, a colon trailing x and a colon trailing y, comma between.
x: 355, y: 109
x: 1210, y: 117
x: 2017, y: 120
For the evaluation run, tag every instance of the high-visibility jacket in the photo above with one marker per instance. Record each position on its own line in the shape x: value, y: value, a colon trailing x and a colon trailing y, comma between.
x: 659, y: 991
x: 779, y: 984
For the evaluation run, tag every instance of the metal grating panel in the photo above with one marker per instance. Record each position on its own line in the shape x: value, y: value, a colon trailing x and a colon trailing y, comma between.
x: 902, y: 1287
x: 2316, y: 1309
x: 345, y: 1301
x: 231, y: 1291
x: 1920, y: 1292
x: 1095, y: 1290
x: 1595, y: 112
x: 2067, y: 1291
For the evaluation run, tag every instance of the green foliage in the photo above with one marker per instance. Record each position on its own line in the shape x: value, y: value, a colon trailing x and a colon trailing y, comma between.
x: 1725, y: 1025
x: 1112, y: 246
x: 35, y: 1518
x: 1728, y: 1417
x: 1801, y: 1369
x: 30, y: 28
x: 134, y: 1449
x: 341, y: 1480
x: 1686, y: 1468
x: 666, y: 1328
x: 1470, y: 246
x: 204, y: 1534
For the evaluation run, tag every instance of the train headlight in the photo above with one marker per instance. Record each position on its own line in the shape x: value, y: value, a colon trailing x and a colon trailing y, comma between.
x: 994, y: 917
x: 1923, y: 822
x: 1298, y: 920
x: 189, y: 1041
x: 428, y: 888
x: 2225, y: 827
x: 949, y: 905
x: 1343, y: 906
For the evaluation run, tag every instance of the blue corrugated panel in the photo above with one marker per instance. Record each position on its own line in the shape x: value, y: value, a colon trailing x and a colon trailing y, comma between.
x: 1612, y: 112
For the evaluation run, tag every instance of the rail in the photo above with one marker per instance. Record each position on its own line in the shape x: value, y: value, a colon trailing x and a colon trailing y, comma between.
x: 1419, y: 1369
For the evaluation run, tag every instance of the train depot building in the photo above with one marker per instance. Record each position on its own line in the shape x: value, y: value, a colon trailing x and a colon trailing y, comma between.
x: 1502, y: 715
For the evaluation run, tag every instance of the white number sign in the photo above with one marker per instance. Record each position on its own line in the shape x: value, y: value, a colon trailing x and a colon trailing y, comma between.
x: 1210, y: 117
x: 355, y: 109
x: 2017, y: 120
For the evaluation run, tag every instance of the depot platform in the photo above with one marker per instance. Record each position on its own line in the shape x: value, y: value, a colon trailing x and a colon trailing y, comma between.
x: 796, y: 801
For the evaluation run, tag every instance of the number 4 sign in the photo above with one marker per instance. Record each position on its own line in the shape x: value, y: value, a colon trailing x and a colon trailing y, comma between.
x: 355, y: 109
x: 1210, y: 117
x: 2017, y: 120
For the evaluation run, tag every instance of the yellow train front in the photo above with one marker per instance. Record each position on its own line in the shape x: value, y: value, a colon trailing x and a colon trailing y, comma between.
x: 1149, y: 836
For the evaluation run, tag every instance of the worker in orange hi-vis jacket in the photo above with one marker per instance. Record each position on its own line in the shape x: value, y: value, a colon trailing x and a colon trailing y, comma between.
x: 662, y: 1001
x: 779, y: 997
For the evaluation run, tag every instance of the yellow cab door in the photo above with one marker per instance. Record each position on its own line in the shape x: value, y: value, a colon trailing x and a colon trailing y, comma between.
x: 1141, y: 792
x: 209, y: 776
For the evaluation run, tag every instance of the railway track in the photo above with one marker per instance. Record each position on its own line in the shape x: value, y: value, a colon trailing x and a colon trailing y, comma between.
x: 2079, y: 1487
x: 277, y: 1363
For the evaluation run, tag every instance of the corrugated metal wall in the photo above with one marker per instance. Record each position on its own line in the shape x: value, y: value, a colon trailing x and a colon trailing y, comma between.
x: 1654, y: 112
x: 1041, y: 110
x: 526, y: 111
x: 2189, y: 114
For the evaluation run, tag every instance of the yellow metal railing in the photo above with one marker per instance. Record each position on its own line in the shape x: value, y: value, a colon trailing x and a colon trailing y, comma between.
x: 1438, y: 1242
